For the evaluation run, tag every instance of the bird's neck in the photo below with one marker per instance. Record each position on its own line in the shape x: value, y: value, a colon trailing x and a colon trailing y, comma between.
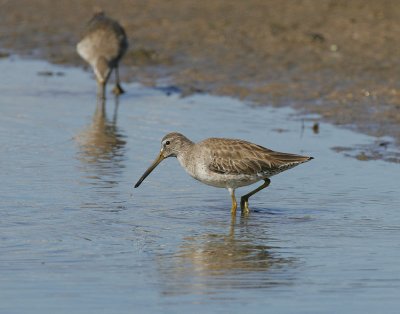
x: 186, y: 146
x: 185, y: 151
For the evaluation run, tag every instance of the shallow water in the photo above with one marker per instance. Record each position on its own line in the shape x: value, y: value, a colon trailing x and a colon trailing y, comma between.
x: 77, y: 238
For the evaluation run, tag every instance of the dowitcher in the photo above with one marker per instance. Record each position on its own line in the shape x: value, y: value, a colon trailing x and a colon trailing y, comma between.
x: 102, y: 45
x: 226, y: 163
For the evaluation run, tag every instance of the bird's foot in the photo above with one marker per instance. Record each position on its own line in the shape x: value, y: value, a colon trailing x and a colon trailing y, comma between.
x: 117, y: 90
x: 244, y: 205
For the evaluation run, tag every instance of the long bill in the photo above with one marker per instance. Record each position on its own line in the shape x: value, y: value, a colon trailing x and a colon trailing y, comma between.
x: 155, y: 163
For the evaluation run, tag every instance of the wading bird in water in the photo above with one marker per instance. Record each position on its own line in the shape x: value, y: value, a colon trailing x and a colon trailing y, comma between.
x: 102, y: 45
x: 226, y: 163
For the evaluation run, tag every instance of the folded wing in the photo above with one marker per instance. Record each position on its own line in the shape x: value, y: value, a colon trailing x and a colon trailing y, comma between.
x: 236, y: 157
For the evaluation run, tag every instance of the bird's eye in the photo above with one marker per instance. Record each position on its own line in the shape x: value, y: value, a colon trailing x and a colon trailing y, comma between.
x: 167, y: 142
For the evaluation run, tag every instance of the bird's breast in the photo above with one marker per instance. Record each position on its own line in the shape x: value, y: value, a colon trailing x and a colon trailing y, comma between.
x: 199, y: 169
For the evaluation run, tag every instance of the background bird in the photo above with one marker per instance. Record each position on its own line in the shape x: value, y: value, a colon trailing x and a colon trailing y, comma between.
x: 102, y: 45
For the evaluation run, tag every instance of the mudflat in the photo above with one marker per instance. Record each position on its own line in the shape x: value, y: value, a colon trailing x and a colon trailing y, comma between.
x: 339, y: 59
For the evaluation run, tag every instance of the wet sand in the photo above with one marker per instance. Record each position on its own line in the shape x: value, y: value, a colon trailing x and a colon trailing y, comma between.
x: 336, y: 58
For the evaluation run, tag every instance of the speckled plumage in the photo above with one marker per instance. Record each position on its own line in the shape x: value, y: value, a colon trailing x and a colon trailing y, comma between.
x: 102, y: 45
x: 226, y: 163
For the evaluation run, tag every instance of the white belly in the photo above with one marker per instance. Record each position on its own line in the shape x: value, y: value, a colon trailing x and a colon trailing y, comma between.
x: 86, y: 51
x: 200, y: 172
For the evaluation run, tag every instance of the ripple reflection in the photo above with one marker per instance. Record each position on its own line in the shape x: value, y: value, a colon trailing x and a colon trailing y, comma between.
x: 214, y: 262
x: 102, y: 148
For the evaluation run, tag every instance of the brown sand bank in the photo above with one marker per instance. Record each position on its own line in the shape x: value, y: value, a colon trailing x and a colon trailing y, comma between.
x: 340, y: 59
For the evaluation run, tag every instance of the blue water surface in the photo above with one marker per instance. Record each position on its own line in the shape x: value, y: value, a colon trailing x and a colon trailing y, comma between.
x: 75, y: 237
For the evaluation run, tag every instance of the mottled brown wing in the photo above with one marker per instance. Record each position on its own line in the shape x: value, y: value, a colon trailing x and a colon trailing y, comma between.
x: 241, y: 157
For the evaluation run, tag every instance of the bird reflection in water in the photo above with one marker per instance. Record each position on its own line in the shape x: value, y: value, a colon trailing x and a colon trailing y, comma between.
x: 102, y: 147
x: 214, y: 262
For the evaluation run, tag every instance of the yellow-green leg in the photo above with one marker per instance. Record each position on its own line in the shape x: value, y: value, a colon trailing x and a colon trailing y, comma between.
x: 117, y: 90
x: 244, y: 201
x: 234, y: 204
x: 101, y: 91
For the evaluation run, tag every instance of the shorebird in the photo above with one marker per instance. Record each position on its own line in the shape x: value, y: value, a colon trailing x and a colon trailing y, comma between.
x: 102, y: 45
x: 226, y: 163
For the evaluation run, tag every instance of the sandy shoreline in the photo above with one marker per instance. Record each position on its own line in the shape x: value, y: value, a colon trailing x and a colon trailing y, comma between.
x: 335, y: 58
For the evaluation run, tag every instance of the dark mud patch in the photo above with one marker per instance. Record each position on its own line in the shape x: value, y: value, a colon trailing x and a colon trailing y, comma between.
x: 4, y: 54
x: 385, y: 150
